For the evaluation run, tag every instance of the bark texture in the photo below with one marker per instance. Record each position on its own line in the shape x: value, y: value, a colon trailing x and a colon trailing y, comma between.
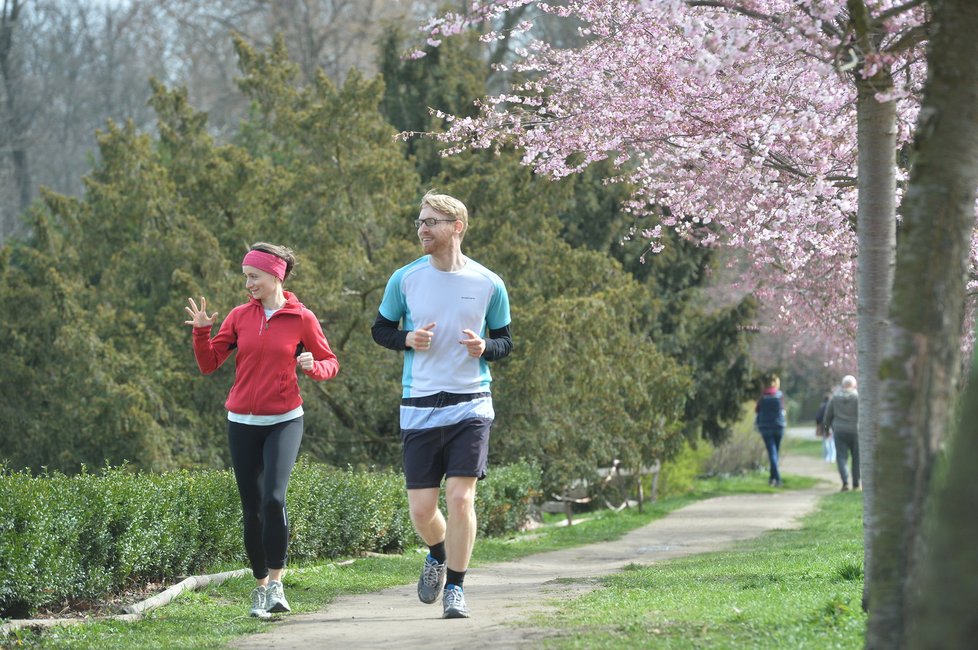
x: 945, y: 615
x: 876, y: 234
x: 13, y: 122
x: 919, y: 371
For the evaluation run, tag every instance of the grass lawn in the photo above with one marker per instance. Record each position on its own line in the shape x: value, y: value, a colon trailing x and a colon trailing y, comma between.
x: 802, y: 446
x: 767, y: 589
x: 786, y: 589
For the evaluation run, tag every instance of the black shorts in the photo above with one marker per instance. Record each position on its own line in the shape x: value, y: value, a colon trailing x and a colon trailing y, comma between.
x: 460, y: 449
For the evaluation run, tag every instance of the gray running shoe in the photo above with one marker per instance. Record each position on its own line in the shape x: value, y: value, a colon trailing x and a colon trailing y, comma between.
x: 432, y: 580
x: 258, y: 599
x: 275, y: 598
x: 453, y: 603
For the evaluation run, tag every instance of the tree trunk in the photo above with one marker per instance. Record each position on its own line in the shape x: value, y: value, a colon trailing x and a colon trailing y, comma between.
x: 641, y: 492
x: 13, y: 122
x: 22, y: 178
x: 876, y: 234
x: 944, y: 615
x: 920, y: 371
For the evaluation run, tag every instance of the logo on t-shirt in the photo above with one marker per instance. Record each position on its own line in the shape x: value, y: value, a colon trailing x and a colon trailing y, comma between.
x: 468, y: 297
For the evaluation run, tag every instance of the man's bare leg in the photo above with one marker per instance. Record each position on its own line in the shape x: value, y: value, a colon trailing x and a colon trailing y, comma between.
x: 461, y: 529
x: 429, y: 522
x: 426, y: 516
x: 460, y: 496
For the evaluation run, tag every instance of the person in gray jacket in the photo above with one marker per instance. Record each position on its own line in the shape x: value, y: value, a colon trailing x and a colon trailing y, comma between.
x: 842, y: 417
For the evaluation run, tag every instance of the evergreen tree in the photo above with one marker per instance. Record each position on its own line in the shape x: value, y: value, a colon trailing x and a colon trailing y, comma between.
x: 586, y: 383
x: 711, y: 338
x: 99, y: 366
x: 103, y: 369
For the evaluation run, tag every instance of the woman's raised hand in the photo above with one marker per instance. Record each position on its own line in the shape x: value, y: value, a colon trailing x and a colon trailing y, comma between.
x: 198, y: 316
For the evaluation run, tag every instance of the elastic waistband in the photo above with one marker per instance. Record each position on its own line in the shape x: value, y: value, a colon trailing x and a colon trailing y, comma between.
x: 442, y: 399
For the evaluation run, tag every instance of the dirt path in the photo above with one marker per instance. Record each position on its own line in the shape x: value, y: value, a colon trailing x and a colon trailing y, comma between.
x: 502, y: 595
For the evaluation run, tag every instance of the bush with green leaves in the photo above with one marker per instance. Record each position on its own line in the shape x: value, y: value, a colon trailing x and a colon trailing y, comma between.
x: 677, y: 475
x: 343, y: 512
x: 78, y: 538
x: 742, y: 452
x: 503, y: 500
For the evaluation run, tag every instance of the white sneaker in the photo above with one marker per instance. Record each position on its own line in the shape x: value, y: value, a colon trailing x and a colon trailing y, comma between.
x: 258, y: 600
x: 275, y: 598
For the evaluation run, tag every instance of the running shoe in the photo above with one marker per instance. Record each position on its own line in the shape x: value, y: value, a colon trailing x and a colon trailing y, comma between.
x: 275, y: 598
x: 432, y: 580
x: 258, y: 600
x: 453, y: 603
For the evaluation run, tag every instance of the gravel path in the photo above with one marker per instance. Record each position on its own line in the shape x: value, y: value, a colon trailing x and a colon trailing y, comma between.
x: 502, y: 595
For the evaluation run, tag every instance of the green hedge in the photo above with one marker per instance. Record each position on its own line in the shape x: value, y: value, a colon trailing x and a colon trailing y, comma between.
x: 82, y: 537
x: 503, y: 499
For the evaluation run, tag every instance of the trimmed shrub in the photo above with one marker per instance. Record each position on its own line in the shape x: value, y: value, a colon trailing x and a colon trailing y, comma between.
x: 81, y: 537
x: 503, y: 499
x: 67, y: 538
x: 342, y: 512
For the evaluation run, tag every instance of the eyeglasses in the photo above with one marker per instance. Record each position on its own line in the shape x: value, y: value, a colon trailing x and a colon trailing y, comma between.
x: 430, y: 222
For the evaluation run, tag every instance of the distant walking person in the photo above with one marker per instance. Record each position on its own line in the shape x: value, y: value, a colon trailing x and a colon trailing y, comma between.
x: 770, y: 422
x: 842, y: 415
x: 273, y: 334
x: 455, y: 316
x: 824, y: 432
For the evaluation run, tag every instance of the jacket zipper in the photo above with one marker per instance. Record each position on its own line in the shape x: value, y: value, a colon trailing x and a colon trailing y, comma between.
x: 261, y: 356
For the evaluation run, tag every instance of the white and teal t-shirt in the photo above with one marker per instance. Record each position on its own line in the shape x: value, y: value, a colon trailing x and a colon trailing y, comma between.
x: 471, y: 298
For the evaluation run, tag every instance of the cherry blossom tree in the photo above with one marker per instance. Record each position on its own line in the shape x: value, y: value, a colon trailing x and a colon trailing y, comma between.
x: 771, y: 126
x: 916, y: 602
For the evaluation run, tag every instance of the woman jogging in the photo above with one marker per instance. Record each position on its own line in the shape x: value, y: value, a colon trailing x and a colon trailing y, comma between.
x: 274, y: 334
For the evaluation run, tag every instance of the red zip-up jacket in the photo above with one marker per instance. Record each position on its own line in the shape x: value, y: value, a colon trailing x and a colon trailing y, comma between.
x: 265, y: 380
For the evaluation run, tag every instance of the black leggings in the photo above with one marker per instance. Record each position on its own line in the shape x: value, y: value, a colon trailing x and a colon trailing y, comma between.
x: 263, y: 457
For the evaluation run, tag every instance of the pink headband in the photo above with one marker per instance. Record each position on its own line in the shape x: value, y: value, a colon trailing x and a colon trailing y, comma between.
x: 266, y: 262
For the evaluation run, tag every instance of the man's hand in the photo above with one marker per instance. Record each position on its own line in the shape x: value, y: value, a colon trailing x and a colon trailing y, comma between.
x: 420, y: 339
x: 473, y: 343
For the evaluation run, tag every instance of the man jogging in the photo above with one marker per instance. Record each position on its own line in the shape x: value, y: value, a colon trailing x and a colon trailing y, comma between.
x: 455, y: 317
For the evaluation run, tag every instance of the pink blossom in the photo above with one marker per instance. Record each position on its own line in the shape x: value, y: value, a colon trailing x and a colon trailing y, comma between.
x: 739, y: 117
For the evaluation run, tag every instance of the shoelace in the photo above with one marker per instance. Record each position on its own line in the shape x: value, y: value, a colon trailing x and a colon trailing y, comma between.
x: 430, y: 574
x: 258, y: 599
x: 453, y: 597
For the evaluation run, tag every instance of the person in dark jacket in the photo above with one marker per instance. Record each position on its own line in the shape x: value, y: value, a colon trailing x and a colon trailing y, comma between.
x: 273, y: 335
x: 842, y: 415
x: 770, y: 422
x: 824, y: 432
